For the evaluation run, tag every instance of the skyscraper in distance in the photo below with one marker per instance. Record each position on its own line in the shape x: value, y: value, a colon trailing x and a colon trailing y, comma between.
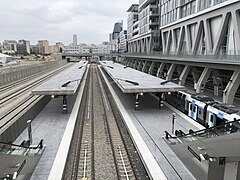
x: 74, y: 40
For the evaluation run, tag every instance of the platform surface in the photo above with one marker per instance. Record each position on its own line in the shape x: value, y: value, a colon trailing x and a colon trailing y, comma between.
x: 124, y: 76
x: 49, y: 125
x: 54, y: 85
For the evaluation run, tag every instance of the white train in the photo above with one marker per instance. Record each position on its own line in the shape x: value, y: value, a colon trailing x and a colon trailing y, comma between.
x: 203, y: 109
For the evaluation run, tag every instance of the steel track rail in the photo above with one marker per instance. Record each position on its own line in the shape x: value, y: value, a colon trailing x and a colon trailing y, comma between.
x: 23, y: 80
x: 117, y: 142
x: 22, y: 90
x: 32, y: 100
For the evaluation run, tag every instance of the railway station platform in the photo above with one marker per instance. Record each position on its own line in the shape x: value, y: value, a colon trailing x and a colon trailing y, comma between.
x: 130, y: 80
x: 49, y: 125
x: 151, y: 122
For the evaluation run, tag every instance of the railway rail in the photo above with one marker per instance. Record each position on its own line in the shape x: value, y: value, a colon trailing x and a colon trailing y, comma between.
x: 98, y: 149
x: 14, y: 100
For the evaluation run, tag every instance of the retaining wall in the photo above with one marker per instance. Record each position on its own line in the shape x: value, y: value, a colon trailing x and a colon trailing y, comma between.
x: 10, y: 134
x: 22, y: 72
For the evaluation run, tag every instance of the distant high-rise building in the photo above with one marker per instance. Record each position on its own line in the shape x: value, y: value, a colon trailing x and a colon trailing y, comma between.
x: 143, y: 23
x: 43, y: 47
x: 132, y: 21
x: 114, y: 36
x: 23, y: 47
x: 123, y: 41
x: 118, y: 27
x: 10, y: 45
x: 74, y: 40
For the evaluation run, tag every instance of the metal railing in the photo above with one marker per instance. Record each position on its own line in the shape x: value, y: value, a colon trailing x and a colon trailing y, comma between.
x: 221, y: 130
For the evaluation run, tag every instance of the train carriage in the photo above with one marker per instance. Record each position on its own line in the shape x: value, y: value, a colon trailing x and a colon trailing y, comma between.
x: 203, y: 109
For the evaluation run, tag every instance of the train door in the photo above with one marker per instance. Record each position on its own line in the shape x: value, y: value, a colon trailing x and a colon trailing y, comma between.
x: 212, y: 120
x: 192, y: 112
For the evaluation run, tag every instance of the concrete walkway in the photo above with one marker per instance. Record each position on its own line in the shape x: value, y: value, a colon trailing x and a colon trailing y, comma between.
x: 49, y: 125
x: 151, y: 123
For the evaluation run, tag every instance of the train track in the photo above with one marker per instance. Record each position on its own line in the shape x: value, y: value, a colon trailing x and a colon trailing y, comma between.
x: 99, y: 149
x: 18, y: 99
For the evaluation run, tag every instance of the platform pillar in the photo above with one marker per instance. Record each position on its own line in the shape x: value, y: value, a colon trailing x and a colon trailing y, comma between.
x: 160, y: 95
x: 231, y: 88
x: 64, y: 104
x: 136, y: 102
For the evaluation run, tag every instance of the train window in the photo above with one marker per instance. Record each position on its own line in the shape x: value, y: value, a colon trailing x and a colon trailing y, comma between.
x: 211, y: 118
x: 200, y: 112
x: 190, y: 107
x: 194, y: 109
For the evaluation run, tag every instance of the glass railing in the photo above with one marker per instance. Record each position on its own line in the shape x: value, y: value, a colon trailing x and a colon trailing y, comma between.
x: 221, y: 130
x: 12, y: 149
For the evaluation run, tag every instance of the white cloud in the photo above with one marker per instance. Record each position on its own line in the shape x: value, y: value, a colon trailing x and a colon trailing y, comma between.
x: 58, y: 20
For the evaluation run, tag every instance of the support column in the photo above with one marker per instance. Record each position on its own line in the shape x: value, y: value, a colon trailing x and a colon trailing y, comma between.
x: 135, y: 64
x: 160, y: 95
x: 136, y: 107
x: 184, y: 74
x: 150, y: 70
x: 139, y: 66
x: 195, y: 77
x: 236, y: 24
x: 128, y: 62
x: 144, y: 69
x: 160, y: 70
x: 170, y: 71
x: 217, y: 82
x: 202, y: 80
x: 231, y: 89
x: 64, y: 104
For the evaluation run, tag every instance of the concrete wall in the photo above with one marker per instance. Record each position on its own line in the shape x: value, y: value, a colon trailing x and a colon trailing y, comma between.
x: 18, y: 73
x: 10, y: 134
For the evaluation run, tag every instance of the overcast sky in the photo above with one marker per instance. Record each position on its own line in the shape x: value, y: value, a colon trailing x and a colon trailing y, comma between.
x: 58, y: 20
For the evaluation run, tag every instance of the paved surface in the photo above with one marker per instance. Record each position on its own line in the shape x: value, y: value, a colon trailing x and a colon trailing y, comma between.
x: 49, y: 125
x: 131, y: 80
x: 151, y: 123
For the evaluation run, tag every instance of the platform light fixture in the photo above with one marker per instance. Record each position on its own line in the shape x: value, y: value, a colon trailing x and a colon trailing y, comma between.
x: 128, y: 81
x: 110, y: 67
x: 67, y: 83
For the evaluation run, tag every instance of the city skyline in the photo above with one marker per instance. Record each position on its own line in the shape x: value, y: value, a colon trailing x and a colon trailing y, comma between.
x: 58, y: 21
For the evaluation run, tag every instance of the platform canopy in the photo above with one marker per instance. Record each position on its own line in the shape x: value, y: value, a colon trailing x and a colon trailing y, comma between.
x: 64, y: 83
x: 133, y: 81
